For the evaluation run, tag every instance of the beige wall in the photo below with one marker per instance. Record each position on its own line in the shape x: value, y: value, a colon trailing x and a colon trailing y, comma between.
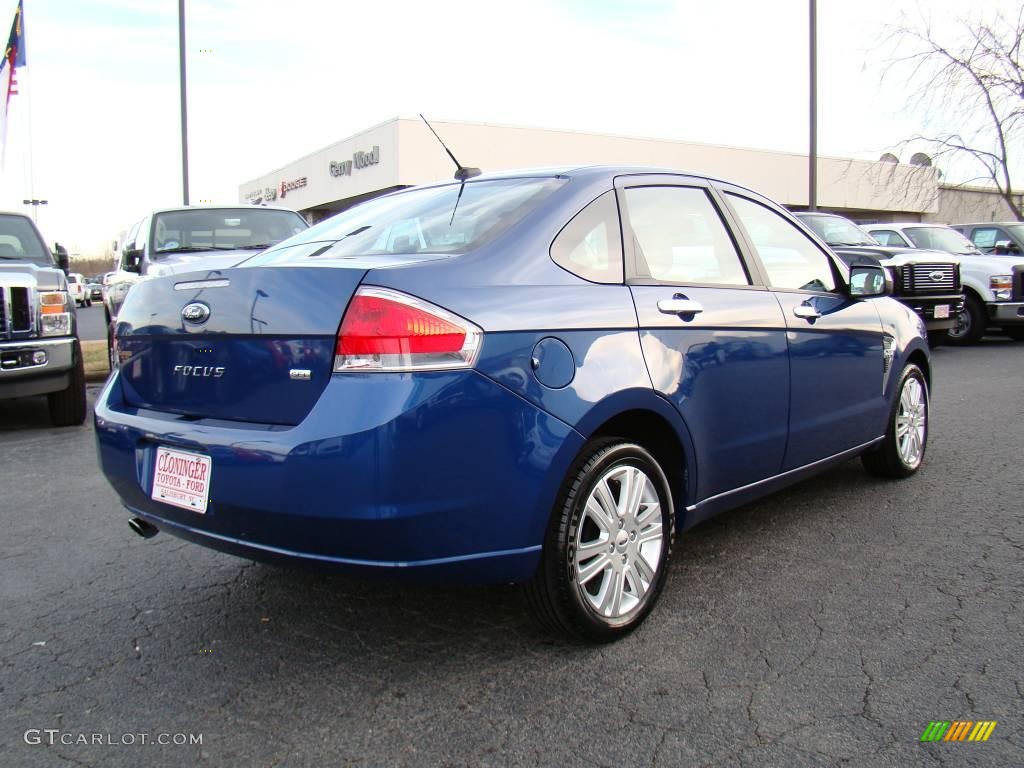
x: 966, y: 205
x: 411, y: 155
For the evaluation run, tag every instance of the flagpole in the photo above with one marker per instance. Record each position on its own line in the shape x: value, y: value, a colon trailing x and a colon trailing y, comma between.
x: 184, y: 107
x: 812, y: 156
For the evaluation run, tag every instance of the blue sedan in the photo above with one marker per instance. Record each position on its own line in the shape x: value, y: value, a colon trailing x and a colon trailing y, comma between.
x: 535, y: 377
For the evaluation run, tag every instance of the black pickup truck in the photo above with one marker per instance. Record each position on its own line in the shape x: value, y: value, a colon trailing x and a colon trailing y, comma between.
x: 39, y: 349
x: 926, y: 281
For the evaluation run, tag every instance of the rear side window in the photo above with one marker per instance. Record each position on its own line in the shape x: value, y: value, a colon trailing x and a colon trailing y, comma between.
x: 679, y: 234
x: 791, y: 259
x: 590, y: 245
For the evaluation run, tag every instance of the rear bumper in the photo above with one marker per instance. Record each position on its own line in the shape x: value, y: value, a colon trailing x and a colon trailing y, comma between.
x: 1006, y: 311
x: 437, y: 475
x: 21, y: 378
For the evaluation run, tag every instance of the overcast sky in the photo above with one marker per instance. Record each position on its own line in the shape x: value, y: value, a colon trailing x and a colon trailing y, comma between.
x: 271, y: 80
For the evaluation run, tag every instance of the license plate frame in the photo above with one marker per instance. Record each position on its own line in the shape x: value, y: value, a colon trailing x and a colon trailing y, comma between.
x: 182, y: 479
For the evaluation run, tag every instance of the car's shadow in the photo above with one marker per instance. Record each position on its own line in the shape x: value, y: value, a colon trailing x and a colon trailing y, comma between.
x: 341, y: 614
x: 32, y: 414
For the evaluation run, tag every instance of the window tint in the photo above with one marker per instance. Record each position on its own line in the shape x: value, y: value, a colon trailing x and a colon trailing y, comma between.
x: 792, y: 260
x: 591, y: 244
x: 681, y: 237
x: 986, y: 238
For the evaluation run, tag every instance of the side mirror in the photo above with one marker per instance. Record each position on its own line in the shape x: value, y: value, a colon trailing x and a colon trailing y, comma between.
x: 62, y: 257
x: 132, y: 260
x: 867, y: 281
x: 1003, y: 247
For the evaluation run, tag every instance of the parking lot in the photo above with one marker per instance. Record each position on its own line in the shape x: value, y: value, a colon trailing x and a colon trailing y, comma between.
x: 825, y: 625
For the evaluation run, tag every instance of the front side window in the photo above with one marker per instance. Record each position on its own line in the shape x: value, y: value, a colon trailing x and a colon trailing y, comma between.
x: 792, y: 260
x: 680, y: 236
x: 890, y: 238
x: 590, y: 245
x: 221, y: 229
x: 987, y: 238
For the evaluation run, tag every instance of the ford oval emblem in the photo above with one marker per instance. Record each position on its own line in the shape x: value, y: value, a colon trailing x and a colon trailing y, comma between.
x: 936, y: 276
x: 195, y: 313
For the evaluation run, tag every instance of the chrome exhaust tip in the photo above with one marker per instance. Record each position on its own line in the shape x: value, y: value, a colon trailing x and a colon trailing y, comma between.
x: 144, y: 529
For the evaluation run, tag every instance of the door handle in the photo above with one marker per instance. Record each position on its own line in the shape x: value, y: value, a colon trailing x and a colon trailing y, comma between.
x: 679, y: 307
x: 807, y: 312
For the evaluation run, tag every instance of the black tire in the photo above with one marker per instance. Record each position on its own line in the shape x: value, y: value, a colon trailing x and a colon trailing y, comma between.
x: 938, y: 338
x: 971, y: 323
x: 1015, y: 332
x: 68, y: 407
x: 553, y: 593
x: 885, y: 460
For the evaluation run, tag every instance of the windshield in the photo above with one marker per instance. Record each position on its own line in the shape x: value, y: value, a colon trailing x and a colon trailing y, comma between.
x: 422, y: 220
x: 222, y: 229
x: 940, y: 238
x: 19, y: 241
x: 1017, y: 230
x: 836, y: 230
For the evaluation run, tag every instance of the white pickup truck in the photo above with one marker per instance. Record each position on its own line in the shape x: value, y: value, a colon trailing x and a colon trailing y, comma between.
x: 993, y: 285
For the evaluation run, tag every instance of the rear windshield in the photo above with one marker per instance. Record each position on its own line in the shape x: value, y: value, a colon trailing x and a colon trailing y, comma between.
x: 427, y: 220
x: 19, y: 241
x: 224, y: 229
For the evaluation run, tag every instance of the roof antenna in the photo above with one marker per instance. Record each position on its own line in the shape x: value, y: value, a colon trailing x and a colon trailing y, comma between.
x: 462, y: 173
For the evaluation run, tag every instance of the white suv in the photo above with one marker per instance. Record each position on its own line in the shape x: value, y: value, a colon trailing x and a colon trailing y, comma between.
x: 81, y: 294
x: 993, y: 285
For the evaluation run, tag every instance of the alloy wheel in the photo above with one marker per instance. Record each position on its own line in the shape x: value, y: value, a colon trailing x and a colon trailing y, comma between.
x: 912, y: 422
x: 618, y: 542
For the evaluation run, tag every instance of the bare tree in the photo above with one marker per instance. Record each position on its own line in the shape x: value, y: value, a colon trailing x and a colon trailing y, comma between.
x: 976, y: 78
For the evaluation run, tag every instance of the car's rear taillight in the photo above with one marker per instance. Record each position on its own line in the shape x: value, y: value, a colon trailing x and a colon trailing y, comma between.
x: 384, y: 330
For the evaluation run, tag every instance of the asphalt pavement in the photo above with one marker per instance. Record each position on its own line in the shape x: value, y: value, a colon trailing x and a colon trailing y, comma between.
x: 825, y: 625
x: 92, y: 325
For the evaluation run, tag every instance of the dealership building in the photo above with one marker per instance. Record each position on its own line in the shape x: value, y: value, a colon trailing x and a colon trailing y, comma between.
x: 402, y: 152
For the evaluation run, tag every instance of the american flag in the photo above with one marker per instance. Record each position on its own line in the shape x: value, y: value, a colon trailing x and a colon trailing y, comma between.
x: 14, y: 57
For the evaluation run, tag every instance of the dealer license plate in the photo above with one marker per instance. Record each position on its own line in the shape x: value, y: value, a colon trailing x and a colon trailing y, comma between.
x: 182, y: 479
x: 942, y: 312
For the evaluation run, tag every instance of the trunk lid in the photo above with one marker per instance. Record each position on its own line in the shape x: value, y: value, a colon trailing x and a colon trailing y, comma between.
x: 256, y: 344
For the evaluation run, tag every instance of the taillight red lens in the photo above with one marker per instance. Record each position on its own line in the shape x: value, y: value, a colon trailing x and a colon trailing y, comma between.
x: 379, y: 326
x: 387, y: 330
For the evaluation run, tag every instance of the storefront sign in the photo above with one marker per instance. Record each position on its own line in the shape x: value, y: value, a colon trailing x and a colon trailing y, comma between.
x: 258, y: 196
x: 289, y: 186
x: 359, y: 160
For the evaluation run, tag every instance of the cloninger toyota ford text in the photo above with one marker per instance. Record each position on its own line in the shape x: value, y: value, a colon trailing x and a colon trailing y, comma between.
x: 533, y: 377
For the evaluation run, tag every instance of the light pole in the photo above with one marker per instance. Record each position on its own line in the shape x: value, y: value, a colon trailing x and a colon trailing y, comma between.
x: 35, y: 207
x: 812, y: 155
x: 184, y: 109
